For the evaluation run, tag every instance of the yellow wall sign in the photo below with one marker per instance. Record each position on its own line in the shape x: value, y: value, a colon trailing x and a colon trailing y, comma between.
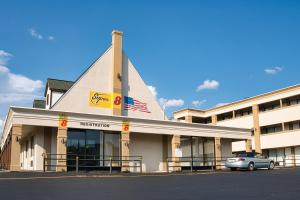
x: 100, y: 99
x: 117, y: 101
x: 125, y: 127
x: 105, y: 100
x: 62, y: 121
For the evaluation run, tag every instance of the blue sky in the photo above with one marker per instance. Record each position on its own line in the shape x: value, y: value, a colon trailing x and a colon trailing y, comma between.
x: 237, y: 48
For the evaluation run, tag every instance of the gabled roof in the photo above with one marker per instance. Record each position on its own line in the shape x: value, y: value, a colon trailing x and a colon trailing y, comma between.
x: 58, y: 85
x: 39, y: 104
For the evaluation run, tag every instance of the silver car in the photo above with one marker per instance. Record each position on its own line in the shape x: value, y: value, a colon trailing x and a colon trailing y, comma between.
x: 249, y: 161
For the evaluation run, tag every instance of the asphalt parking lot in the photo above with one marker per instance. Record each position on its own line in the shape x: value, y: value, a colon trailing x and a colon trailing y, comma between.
x: 260, y: 184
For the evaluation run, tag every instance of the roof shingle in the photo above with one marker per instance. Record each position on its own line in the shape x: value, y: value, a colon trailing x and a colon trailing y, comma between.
x: 39, y: 104
x: 58, y: 85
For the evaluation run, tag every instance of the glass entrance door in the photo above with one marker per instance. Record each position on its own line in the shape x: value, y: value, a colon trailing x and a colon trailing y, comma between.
x: 94, y: 148
x: 75, y: 147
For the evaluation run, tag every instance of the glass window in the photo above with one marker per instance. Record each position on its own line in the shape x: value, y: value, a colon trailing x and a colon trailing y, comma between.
x: 296, y: 125
x: 47, y: 100
x: 26, y: 148
x: 32, y: 146
x: 76, y: 142
x: 92, y: 143
x: 92, y: 147
x: 111, y: 146
x: 186, y: 146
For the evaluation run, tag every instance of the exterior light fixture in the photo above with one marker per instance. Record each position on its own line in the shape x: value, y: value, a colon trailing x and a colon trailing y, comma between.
x: 119, y: 77
x: 127, y: 144
x: 63, y: 141
x: 18, y: 138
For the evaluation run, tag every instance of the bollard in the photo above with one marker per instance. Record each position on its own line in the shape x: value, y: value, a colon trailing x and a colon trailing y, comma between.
x: 77, y: 163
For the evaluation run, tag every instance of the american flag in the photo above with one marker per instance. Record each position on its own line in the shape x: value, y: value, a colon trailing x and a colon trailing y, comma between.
x: 133, y: 104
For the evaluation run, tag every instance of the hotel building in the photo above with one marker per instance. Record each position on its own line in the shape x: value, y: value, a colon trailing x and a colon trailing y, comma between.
x: 273, y: 117
x: 107, y: 114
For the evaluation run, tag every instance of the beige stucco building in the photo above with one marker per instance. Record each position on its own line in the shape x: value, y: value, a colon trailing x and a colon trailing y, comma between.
x: 273, y: 117
x: 107, y: 114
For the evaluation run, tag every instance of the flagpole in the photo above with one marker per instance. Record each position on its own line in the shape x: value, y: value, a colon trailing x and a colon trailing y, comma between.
x: 164, y: 114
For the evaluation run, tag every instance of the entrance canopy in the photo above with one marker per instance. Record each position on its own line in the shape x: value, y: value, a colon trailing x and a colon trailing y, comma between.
x: 51, y: 118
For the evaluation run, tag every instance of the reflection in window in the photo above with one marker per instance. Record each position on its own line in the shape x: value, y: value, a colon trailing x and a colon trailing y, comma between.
x: 294, y: 125
x: 93, y: 147
x: 269, y: 106
x: 291, y: 101
x: 111, y: 146
x: 271, y: 129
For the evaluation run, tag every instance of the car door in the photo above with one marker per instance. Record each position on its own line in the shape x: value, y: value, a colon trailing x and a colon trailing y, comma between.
x: 262, y: 161
x: 266, y: 162
x: 258, y: 161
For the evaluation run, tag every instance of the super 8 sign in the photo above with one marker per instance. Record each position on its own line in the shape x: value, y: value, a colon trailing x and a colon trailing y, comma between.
x: 105, y: 100
x: 125, y: 127
x: 62, y: 121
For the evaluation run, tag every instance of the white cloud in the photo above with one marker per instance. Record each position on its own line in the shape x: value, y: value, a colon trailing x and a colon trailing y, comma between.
x: 3, y: 69
x: 4, y: 54
x: 165, y: 103
x: 14, y: 86
x: 273, y: 71
x: 35, y: 34
x: 16, y: 89
x: 153, y: 90
x: 4, y: 57
x: 20, y: 83
x: 10, y: 98
x: 208, y: 85
x: 198, y: 103
x: 1, y: 126
x: 50, y: 38
x: 220, y: 104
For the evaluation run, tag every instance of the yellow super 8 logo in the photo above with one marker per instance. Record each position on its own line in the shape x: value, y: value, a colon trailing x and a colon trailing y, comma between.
x: 62, y: 121
x: 104, y: 100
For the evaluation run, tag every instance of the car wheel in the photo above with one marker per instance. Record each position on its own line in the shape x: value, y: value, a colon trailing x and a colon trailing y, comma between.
x: 251, y: 166
x: 233, y: 169
x: 271, y: 166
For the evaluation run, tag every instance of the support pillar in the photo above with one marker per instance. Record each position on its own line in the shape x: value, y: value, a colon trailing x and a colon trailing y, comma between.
x: 218, y: 153
x: 189, y: 119
x: 15, y: 147
x: 175, y: 142
x: 249, y: 145
x: 125, y: 140
x: 61, y: 149
x: 214, y: 119
x: 256, y: 128
x: 293, y: 157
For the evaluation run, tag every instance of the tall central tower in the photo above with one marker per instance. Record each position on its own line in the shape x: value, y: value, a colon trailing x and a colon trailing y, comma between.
x: 117, y: 72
